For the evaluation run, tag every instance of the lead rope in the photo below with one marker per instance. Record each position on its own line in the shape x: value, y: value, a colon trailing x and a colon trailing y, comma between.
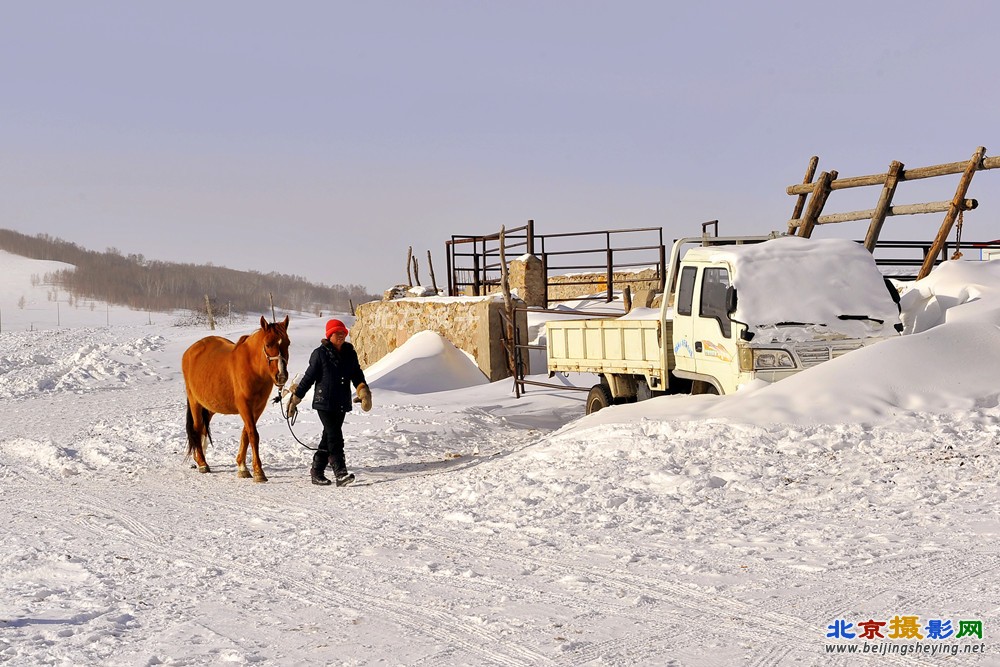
x: 284, y: 413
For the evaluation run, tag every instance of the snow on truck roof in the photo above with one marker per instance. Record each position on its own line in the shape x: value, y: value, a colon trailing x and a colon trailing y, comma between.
x: 793, y: 279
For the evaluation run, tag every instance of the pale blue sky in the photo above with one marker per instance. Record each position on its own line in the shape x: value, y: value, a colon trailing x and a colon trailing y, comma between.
x: 323, y: 138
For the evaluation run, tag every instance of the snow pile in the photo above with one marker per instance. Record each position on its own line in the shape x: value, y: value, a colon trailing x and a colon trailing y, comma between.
x: 425, y: 363
x: 73, y: 360
x: 954, y: 291
x: 927, y: 372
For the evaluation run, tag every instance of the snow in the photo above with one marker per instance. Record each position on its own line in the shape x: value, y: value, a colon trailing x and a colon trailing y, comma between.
x: 27, y: 302
x: 424, y: 364
x: 770, y: 278
x: 954, y: 291
x: 490, y: 530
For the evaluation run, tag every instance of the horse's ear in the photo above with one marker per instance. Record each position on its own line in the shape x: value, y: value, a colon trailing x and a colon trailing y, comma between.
x: 284, y: 323
x: 263, y: 323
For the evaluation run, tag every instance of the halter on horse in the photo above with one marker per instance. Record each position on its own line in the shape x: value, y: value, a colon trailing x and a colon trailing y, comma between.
x: 222, y: 377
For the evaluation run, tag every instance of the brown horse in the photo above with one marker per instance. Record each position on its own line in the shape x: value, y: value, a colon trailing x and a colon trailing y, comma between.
x: 229, y: 378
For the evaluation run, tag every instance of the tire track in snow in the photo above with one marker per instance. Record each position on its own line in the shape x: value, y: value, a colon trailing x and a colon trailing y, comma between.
x: 701, y: 607
x: 101, y: 511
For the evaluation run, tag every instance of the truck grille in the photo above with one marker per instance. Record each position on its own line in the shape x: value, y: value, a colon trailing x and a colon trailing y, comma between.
x: 816, y: 354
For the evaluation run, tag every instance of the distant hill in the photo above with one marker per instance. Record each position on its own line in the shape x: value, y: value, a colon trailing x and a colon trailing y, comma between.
x: 141, y: 284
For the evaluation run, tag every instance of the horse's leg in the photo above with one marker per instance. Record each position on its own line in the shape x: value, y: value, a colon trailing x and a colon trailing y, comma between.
x: 197, y: 430
x: 250, y: 436
x: 258, y: 469
x: 241, y: 456
x: 253, y: 439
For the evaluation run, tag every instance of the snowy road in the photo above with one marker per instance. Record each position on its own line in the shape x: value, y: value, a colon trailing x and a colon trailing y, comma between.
x: 648, y: 541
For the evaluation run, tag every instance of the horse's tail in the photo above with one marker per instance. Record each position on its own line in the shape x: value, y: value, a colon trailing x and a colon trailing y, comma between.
x: 194, y: 438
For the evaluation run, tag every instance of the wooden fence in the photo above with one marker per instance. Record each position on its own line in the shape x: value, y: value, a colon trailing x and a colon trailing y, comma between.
x: 811, y: 197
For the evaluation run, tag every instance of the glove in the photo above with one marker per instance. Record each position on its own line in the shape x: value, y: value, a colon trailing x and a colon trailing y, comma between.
x: 364, y: 397
x: 293, y: 401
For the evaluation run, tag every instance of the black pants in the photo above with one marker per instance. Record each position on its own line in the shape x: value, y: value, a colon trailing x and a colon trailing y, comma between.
x: 331, y: 449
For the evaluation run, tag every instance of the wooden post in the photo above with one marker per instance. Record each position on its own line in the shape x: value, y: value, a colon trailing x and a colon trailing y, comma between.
x: 800, y: 201
x: 627, y: 298
x: 816, y: 203
x: 409, y: 258
x: 884, y: 203
x: 957, y: 205
x: 416, y: 272
x: 208, y: 309
x: 430, y: 267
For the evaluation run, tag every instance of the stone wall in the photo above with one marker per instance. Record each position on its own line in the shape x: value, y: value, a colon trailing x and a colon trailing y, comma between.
x: 577, y: 285
x: 472, y: 324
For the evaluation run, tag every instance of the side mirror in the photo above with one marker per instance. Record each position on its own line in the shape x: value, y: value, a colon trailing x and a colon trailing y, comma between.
x: 730, y: 300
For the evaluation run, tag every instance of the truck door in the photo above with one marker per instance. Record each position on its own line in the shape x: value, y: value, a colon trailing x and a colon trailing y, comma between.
x: 714, y: 348
x: 683, y: 324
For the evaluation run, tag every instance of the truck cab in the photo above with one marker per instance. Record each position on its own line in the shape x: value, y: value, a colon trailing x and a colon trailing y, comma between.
x: 769, y: 310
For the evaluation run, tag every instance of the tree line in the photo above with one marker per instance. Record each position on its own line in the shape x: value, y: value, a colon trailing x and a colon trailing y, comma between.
x: 142, y: 284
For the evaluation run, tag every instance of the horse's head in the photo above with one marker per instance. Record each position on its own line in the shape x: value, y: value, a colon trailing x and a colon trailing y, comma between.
x: 276, y: 349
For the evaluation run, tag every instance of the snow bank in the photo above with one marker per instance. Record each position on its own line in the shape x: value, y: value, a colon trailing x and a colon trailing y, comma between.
x: 955, y: 291
x: 926, y: 372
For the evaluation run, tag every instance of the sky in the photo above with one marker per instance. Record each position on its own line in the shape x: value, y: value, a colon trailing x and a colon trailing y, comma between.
x: 324, y: 139
x: 760, y: 528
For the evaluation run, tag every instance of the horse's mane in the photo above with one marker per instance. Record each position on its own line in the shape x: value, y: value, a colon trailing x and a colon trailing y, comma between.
x: 276, y: 325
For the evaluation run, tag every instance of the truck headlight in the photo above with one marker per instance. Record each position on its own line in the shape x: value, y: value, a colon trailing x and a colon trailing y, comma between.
x: 772, y: 359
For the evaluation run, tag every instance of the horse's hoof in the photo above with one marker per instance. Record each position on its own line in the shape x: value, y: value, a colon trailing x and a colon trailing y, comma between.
x: 259, y: 478
x: 204, y: 469
x: 243, y: 473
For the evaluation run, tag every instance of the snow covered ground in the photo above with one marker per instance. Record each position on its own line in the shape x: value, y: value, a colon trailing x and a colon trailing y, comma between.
x: 487, y: 530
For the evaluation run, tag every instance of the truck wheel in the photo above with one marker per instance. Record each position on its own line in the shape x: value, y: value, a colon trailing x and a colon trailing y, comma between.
x: 598, y: 398
x: 702, y: 387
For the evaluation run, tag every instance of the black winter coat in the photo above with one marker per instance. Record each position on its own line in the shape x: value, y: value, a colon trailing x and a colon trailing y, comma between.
x: 332, y: 372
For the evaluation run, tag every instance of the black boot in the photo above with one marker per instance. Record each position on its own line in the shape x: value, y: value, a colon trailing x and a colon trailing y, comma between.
x: 318, y: 478
x: 319, y: 463
x: 339, y: 464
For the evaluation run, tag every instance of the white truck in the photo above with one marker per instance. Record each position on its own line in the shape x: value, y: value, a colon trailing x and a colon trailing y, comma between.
x: 734, y: 310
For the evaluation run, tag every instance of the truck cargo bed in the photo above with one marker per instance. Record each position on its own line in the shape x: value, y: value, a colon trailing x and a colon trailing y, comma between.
x: 608, y: 346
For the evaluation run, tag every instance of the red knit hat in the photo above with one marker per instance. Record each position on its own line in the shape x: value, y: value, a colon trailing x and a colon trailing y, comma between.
x: 333, y: 326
